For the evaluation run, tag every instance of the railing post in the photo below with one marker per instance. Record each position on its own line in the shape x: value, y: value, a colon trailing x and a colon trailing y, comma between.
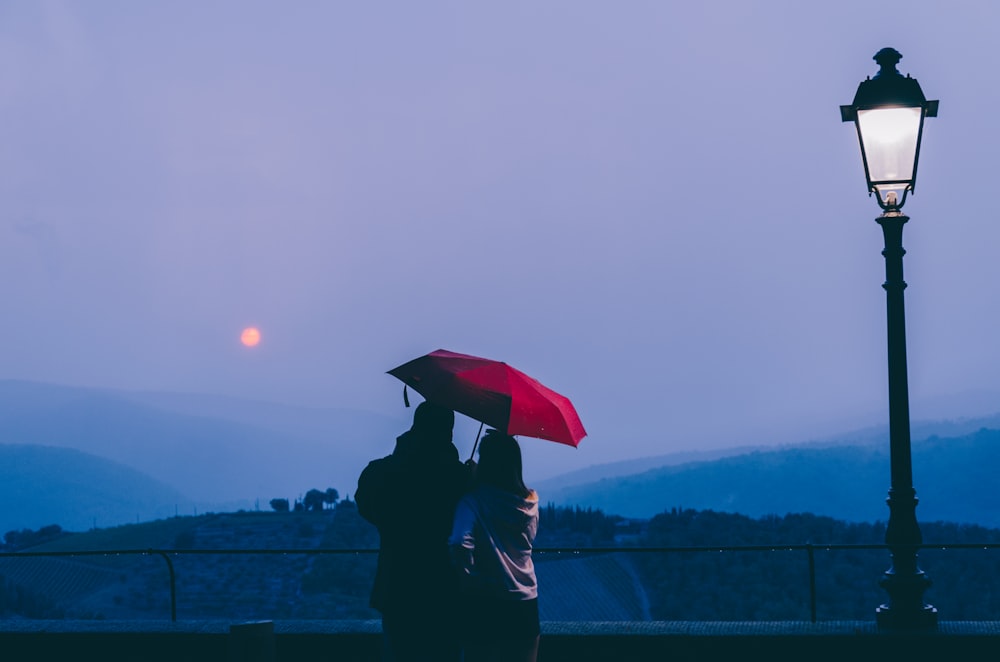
x: 812, y: 581
x: 173, y: 583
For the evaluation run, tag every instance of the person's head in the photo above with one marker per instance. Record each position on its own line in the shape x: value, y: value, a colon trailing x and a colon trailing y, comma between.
x: 433, y: 421
x: 500, y: 463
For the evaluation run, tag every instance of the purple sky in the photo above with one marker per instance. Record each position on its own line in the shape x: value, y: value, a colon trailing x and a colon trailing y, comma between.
x: 652, y: 207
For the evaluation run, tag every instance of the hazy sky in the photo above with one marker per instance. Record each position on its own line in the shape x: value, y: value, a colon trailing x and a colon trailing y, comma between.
x: 652, y: 207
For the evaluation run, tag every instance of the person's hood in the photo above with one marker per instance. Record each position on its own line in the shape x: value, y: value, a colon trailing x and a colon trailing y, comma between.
x: 505, y: 507
x: 413, y: 446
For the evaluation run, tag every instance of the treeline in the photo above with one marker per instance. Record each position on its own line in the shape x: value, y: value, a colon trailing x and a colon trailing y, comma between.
x: 774, y: 585
x: 562, y: 526
x: 313, y: 501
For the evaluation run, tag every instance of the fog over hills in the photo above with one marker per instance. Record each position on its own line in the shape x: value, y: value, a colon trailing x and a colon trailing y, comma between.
x: 42, y: 485
x: 153, y: 454
x: 213, y: 450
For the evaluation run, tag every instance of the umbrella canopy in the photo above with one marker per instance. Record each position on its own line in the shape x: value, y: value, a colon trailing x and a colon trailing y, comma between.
x: 493, y: 393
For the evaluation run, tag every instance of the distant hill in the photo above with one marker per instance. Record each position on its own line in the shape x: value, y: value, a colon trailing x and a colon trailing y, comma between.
x: 220, y: 452
x: 42, y: 485
x: 953, y: 478
x: 872, y: 435
x: 598, y: 472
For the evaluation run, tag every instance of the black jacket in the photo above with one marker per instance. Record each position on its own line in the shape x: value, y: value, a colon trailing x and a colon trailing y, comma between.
x: 410, y: 496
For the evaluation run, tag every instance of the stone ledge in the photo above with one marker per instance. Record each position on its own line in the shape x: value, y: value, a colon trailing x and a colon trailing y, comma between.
x: 549, y: 628
x: 360, y: 641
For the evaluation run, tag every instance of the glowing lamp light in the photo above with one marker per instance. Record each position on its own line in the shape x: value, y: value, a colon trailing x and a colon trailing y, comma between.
x: 889, y: 111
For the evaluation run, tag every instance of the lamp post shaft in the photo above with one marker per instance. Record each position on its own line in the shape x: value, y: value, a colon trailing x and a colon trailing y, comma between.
x: 904, y: 581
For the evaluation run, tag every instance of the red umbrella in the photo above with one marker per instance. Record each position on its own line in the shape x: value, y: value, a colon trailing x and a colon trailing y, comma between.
x: 493, y: 393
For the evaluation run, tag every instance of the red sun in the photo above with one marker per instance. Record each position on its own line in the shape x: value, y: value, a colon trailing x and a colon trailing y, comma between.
x: 250, y: 336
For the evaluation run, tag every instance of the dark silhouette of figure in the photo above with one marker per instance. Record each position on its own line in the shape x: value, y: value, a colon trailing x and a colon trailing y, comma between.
x: 410, y: 496
x: 494, y: 529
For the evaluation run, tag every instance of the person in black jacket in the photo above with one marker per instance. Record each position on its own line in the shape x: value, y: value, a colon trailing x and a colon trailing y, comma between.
x: 410, y: 496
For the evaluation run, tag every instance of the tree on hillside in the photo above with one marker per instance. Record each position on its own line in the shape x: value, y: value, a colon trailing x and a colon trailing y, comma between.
x: 279, y: 505
x: 314, y: 500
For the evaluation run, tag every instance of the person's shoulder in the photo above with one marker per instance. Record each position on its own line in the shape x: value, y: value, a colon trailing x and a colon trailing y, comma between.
x: 378, y: 467
x: 379, y: 462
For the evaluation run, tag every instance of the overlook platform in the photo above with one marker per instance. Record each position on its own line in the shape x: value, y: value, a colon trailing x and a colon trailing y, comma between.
x: 358, y: 641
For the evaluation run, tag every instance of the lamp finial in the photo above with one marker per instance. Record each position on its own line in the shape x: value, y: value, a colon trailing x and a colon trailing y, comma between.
x: 887, y: 59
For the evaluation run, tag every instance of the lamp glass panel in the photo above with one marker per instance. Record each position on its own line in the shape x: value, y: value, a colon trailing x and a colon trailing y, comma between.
x: 890, y: 142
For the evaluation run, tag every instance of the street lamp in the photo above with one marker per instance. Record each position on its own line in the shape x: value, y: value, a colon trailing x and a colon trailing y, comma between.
x: 889, y: 112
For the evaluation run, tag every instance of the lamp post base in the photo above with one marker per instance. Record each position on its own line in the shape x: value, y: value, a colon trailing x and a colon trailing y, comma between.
x: 905, y: 585
x: 924, y: 618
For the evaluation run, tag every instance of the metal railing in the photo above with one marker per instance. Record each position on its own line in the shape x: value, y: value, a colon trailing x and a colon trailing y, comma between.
x: 808, y: 548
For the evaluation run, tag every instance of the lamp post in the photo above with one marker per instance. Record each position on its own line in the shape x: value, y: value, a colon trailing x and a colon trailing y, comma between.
x: 889, y: 111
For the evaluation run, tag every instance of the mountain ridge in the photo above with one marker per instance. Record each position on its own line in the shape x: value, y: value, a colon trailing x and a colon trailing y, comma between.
x: 952, y: 476
x: 869, y: 435
x: 221, y: 453
x: 250, y: 451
